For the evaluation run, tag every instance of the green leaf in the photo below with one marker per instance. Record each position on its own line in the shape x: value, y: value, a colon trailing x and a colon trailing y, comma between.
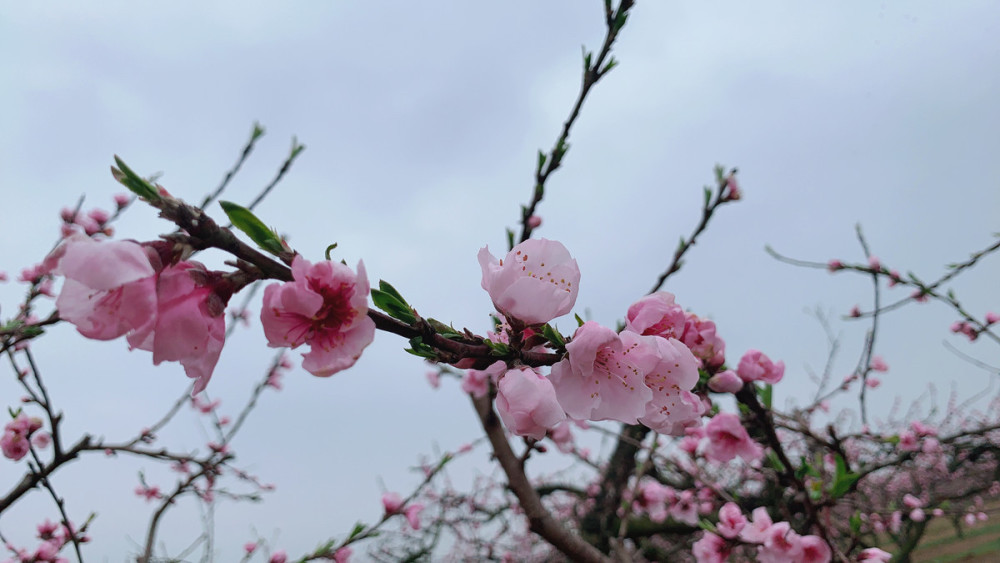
x: 444, y: 330
x: 553, y: 336
x: 296, y: 149
x: 358, y: 528
x: 510, y: 240
x: 135, y: 183
x: 387, y: 288
x: 802, y: 469
x: 766, y: 392
x: 244, y: 220
x: 772, y: 459
x: 620, y: 19
x: 541, y: 161
x: 388, y: 299
x: 612, y: 63
x: 855, y: 522
x: 258, y: 131
x: 418, y: 348
x: 497, y: 348
x: 805, y: 468
x: 842, y: 479
x: 329, y: 249
x: 708, y: 196
x: 579, y: 321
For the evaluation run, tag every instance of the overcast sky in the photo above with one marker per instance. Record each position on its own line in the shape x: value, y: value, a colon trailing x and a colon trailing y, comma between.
x: 422, y: 121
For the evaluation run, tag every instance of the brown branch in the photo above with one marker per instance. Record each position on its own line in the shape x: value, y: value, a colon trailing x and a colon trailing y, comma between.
x: 540, y: 520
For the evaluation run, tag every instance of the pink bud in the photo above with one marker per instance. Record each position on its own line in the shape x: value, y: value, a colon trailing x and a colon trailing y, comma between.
x: 534, y: 221
x: 725, y: 382
x: 392, y: 502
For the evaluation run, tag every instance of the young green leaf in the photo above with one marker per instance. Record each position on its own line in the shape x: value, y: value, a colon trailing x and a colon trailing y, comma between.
x: 393, y: 304
x: 244, y: 220
x: 766, y: 392
x: 553, y: 336
x: 843, y: 479
x: 135, y: 183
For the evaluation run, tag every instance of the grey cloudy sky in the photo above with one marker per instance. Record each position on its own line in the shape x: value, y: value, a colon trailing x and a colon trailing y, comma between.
x: 422, y: 121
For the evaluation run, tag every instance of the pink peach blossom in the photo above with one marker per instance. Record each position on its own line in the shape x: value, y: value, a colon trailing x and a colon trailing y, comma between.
x: 14, y: 446
x: 670, y: 371
x: 657, y: 315
x: 562, y: 437
x: 110, y: 286
x: 476, y: 382
x: 342, y: 555
x: 326, y: 307
x: 731, y: 520
x: 725, y: 382
x: 190, y: 322
x: 727, y: 438
x: 536, y: 282
x: 685, y: 508
x: 700, y: 336
x: 874, y: 555
x: 653, y: 499
x: 878, y: 364
x: 526, y: 402
x: 911, y: 501
x: 834, y: 265
x: 434, y: 378
x: 815, y: 550
x: 41, y: 440
x: 15, y: 439
x: 922, y: 429
x: 756, y: 366
x: 412, y: 515
x: 600, y: 379
x: 710, y: 549
x: 908, y: 441
x: 992, y: 318
x: 392, y: 503
x: 732, y: 189
x: 894, y: 278
x: 781, y: 544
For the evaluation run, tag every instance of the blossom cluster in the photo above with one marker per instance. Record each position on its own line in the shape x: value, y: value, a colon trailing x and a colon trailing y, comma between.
x: 776, y: 542
x: 172, y: 308
x: 19, y: 434
x: 644, y: 374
